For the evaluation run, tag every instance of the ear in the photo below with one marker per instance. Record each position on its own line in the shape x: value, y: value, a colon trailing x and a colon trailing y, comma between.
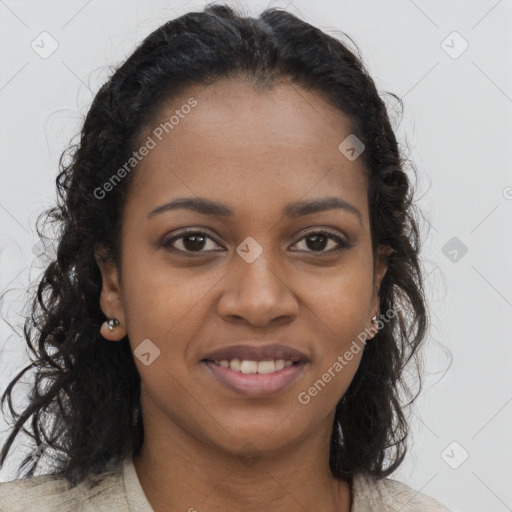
x: 379, y: 271
x: 111, y: 301
x: 381, y: 265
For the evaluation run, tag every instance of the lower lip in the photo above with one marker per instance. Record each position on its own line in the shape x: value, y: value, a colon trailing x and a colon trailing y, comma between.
x: 255, y: 384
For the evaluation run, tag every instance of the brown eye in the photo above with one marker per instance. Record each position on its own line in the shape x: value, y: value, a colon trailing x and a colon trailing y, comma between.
x: 192, y: 241
x: 318, y: 241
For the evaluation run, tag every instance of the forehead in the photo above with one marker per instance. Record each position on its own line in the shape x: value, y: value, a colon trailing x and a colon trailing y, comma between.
x: 236, y: 142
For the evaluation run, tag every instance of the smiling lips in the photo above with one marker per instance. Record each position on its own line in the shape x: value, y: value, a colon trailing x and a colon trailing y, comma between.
x: 251, y: 367
x: 255, y: 352
x: 256, y: 370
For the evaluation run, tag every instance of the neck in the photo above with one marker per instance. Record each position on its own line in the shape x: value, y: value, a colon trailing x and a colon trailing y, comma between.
x: 181, y: 472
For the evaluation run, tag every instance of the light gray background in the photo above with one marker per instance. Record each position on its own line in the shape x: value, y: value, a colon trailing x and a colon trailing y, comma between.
x: 457, y: 124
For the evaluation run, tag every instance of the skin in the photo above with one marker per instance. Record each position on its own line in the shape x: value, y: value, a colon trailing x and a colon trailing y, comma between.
x: 256, y: 152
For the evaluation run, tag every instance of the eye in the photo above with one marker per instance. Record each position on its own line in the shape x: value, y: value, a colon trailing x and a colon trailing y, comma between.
x: 318, y: 240
x: 195, y: 241
x: 189, y: 242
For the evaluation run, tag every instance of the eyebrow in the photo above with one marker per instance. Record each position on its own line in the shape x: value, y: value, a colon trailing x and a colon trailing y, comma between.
x: 292, y: 210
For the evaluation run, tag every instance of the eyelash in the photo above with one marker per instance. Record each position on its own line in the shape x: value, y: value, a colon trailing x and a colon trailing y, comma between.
x: 343, y: 245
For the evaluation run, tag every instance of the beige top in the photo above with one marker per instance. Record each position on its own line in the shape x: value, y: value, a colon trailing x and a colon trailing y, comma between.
x: 120, y: 491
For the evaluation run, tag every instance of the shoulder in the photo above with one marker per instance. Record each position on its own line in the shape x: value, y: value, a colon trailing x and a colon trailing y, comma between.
x: 390, y: 495
x: 50, y: 492
x: 37, y: 493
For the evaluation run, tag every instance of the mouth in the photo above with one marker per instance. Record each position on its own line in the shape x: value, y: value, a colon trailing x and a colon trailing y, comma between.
x: 254, y: 367
x: 255, y: 378
x: 253, y: 351
x: 255, y: 370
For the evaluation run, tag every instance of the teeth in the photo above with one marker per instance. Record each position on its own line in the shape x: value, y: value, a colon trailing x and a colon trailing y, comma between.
x: 254, y: 366
x: 280, y: 364
x: 249, y: 367
x: 265, y: 367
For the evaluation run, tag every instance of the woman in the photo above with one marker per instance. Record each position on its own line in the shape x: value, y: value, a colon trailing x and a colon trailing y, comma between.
x: 237, y: 287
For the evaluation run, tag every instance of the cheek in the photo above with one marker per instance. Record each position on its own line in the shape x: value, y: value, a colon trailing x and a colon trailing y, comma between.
x: 330, y: 380
x: 341, y: 305
x: 168, y: 307
x: 157, y: 297
x: 340, y: 308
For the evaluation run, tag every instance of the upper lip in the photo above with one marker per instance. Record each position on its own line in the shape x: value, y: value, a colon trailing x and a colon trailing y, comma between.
x: 250, y: 352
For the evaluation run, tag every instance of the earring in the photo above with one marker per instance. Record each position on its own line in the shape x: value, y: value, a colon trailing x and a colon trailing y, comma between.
x: 374, y: 320
x: 109, y: 326
x: 112, y: 323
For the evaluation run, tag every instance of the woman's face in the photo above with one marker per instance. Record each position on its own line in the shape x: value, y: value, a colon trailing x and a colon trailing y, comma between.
x: 254, y: 277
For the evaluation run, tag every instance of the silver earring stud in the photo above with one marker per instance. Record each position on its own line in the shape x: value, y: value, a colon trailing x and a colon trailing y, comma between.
x: 112, y: 323
x: 374, y: 320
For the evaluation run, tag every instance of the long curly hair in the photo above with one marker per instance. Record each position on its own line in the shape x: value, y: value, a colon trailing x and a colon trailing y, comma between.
x: 84, y: 403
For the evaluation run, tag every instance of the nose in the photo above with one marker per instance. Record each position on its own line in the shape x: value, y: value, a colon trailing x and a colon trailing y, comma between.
x: 257, y: 293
